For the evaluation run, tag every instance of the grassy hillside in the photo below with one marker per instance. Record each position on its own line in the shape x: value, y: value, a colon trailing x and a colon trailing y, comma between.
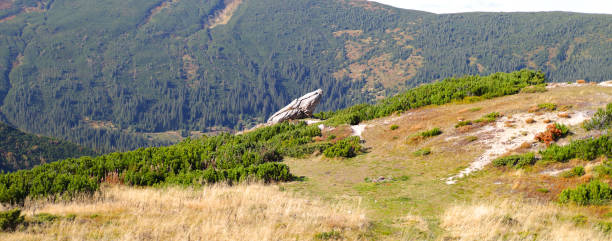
x: 19, y: 150
x: 110, y: 74
x: 517, y: 166
x: 236, y: 158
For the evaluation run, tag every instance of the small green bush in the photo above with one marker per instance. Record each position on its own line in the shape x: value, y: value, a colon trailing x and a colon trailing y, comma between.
x: 422, y: 152
x: 516, y: 161
x: 592, y: 193
x: 577, y: 171
x: 394, y: 127
x: 331, y: 137
x: 471, y: 138
x: 429, y: 133
x: 605, y: 169
x: 547, y: 106
x: 331, y: 235
x: 463, y: 123
x: 10, y: 220
x: 348, y: 147
x: 488, y: 117
x: 604, y: 227
x: 563, y: 128
x: 601, y: 120
x: 475, y: 109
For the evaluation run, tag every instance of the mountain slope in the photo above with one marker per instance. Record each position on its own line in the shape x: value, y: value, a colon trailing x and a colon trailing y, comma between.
x: 106, y: 74
x: 395, y: 189
x: 19, y: 150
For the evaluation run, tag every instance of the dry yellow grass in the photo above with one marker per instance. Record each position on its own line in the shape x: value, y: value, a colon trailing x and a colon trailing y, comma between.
x: 516, y: 220
x: 244, y: 212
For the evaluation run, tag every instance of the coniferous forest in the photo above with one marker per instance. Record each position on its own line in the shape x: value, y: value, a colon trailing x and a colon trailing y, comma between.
x: 102, y: 74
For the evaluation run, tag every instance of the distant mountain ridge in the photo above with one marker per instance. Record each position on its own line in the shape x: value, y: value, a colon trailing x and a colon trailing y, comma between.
x: 105, y: 73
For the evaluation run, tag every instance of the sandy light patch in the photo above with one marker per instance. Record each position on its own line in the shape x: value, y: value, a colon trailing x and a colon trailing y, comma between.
x: 501, y: 139
x: 358, y: 130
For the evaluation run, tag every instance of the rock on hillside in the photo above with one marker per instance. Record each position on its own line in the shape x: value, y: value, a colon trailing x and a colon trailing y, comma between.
x: 299, y: 108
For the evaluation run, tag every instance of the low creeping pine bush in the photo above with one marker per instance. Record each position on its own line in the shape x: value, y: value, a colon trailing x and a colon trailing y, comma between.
x: 348, y: 147
x: 516, y: 161
x: 587, y: 149
x: 10, y: 219
x: 601, y: 120
x: 593, y: 193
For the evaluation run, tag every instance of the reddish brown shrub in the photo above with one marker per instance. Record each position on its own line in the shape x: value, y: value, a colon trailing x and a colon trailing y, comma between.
x: 551, y: 134
x: 581, y: 81
x: 547, y: 121
x: 530, y: 121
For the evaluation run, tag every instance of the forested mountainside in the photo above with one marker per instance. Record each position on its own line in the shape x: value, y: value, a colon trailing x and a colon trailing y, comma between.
x: 105, y: 74
x: 19, y: 150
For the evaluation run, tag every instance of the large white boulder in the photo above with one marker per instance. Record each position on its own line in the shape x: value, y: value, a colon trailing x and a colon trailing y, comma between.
x: 299, y: 108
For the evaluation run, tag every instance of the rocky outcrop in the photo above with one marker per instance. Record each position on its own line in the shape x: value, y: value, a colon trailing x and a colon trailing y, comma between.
x: 299, y: 108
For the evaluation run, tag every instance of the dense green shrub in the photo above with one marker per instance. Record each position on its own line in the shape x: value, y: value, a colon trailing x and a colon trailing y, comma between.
x: 574, y: 172
x: 224, y: 157
x: 601, y: 120
x: 588, y: 149
x: 516, y: 161
x: 394, y: 127
x: 429, y: 133
x: 10, y: 220
x: 592, y: 193
x: 348, y: 147
x: 445, y: 91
